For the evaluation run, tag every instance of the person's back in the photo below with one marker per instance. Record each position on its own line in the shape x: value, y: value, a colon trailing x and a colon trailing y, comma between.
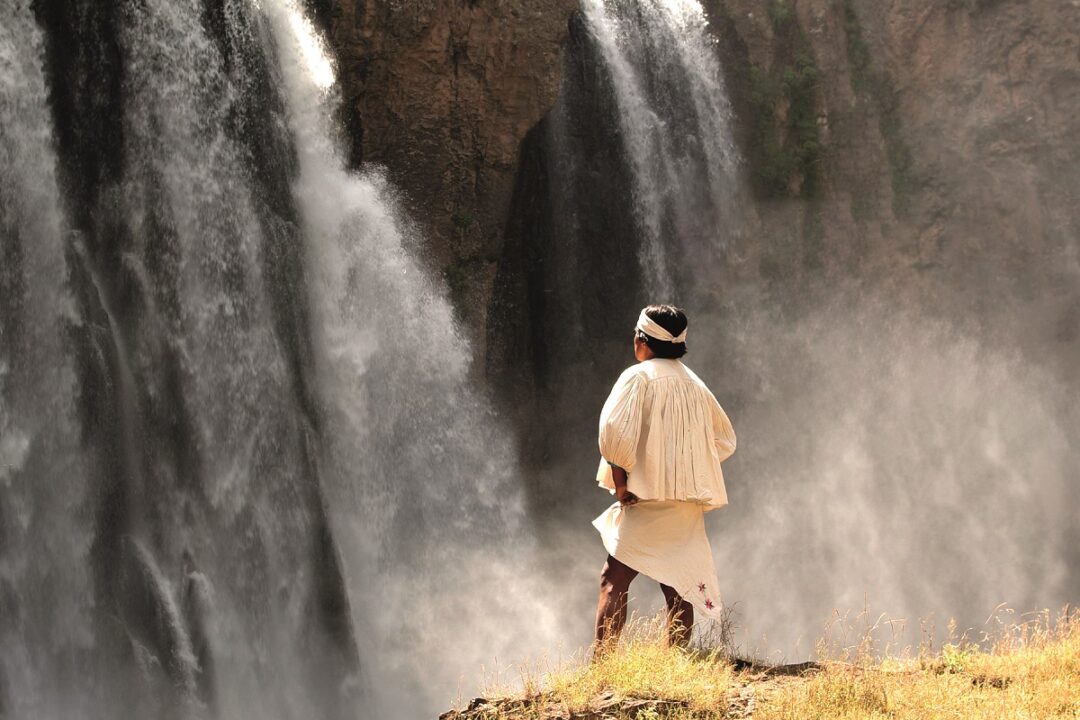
x: 662, y: 413
x: 662, y: 438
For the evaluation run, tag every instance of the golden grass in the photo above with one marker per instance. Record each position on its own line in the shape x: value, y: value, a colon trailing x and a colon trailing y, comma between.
x: 645, y: 667
x: 1030, y: 670
x: 641, y: 678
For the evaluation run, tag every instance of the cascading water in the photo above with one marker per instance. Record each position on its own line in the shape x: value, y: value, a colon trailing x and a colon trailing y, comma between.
x: 244, y: 473
x: 833, y: 522
x: 196, y: 588
x: 428, y: 505
x: 674, y: 118
x: 44, y: 611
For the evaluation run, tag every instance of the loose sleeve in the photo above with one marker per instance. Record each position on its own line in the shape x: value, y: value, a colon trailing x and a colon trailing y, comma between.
x: 723, y: 433
x: 620, y: 420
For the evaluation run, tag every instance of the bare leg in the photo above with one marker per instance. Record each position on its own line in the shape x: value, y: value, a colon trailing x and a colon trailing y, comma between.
x: 680, y: 617
x: 615, y: 581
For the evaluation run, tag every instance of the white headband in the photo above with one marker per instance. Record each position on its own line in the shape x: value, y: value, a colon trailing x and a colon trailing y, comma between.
x: 654, y: 330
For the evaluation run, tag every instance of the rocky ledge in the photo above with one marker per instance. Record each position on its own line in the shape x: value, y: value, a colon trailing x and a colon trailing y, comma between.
x: 754, y: 681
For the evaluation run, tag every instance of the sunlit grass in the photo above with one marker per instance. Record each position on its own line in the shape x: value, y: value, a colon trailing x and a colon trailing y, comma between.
x: 642, y: 678
x: 1031, y: 670
x: 645, y: 667
x: 1028, y: 670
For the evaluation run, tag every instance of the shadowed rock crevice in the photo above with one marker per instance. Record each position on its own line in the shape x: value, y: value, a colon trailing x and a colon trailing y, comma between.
x: 568, y: 266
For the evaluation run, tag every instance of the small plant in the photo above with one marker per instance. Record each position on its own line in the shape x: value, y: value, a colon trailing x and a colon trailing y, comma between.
x: 462, y: 219
x: 780, y: 12
x: 955, y: 657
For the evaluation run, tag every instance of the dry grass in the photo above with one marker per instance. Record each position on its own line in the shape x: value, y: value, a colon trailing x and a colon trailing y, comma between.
x: 643, y: 678
x: 696, y: 682
x: 1027, y: 670
x: 1031, y: 670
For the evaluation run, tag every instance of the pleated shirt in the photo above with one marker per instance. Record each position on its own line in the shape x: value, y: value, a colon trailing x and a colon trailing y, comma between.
x: 665, y: 428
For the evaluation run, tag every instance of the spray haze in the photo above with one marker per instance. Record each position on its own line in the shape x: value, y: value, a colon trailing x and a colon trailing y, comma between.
x: 891, y: 461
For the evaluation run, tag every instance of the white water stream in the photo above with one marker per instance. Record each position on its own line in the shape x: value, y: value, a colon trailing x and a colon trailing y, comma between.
x: 674, y: 118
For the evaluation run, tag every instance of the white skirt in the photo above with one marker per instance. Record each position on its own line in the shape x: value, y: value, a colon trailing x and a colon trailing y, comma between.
x: 665, y: 540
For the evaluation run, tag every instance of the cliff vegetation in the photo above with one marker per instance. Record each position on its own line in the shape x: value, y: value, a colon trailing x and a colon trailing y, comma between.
x: 1026, y: 670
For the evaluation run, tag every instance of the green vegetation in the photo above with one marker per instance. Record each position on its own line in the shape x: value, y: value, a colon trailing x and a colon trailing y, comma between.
x: 784, y: 102
x: 862, y: 208
x: 460, y: 270
x: 780, y: 12
x: 462, y: 219
x: 785, y: 146
x: 860, y: 63
x: 868, y: 82
x: 1031, y: 670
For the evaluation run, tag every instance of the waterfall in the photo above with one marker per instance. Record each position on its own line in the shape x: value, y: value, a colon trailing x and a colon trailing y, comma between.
x: 44, y: 583
x: 674, y: 118
x: 244, y: 469
x: 427, y: 498
x: 156, y: 415
x: 626, y: 196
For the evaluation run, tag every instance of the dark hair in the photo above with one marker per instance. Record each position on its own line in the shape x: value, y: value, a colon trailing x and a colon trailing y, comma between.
x: 673, y: 320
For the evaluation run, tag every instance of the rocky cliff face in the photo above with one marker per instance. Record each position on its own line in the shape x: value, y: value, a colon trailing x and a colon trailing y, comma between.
x: 442, y: 94
x: 934, y: 140
x: 924, y: 150
x: 904, y: 266
x: 941, y: 130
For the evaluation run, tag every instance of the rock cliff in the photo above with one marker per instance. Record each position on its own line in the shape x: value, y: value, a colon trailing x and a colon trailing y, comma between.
x: 935, y: 140
x: 906, y: 164
x: 922, y: 150
x: 441, y: 94
x: 943, y: 139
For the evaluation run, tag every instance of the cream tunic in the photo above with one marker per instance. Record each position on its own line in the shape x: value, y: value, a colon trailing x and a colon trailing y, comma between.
x: 663, y: 426
x: 665, y: 540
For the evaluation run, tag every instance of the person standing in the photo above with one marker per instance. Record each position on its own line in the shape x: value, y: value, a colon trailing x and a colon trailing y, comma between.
x: 662, y: 438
